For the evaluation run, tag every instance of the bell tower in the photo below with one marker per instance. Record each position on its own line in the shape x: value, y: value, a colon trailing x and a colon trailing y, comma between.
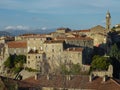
x: 108, y: 21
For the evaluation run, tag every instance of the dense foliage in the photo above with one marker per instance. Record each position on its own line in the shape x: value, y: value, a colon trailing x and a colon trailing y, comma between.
x: 15, y: 62
x: 73, y: 69
x: 115, y: 52
x: 115, y: 59
x: 100, y: 63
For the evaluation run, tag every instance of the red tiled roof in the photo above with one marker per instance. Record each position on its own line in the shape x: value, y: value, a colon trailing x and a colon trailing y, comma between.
x: 21, y: 84
x: 36, y: 36
x: 88, y: 30
x: 74, y: 38
x: 78, y: 82
x: 54, y: 41
x: 29, y: 34
x: 17, y: 44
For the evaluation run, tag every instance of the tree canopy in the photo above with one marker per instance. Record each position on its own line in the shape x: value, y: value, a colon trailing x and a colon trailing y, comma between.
x: 115, y: 52
x: 100, y: 63
x: 74, y: 69
x: 15, y: 62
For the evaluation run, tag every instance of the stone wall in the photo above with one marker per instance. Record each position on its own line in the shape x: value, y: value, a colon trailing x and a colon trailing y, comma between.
x: 109, y: 72
x: 17, y: 51
x: 35, y: 43
x: 35, y: 60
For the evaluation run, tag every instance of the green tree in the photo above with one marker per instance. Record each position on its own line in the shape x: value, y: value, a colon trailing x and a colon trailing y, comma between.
x: 64, y: 69
x: 15, y: 62
x: 75, y: 69
x: 100, y: 63
x: 8, y: 63
x: 20, y: 60
x: 115, y: 60
x: 115, y: 52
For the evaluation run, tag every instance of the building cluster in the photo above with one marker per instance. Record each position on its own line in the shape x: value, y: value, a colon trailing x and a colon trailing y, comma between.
x: 46, y: 52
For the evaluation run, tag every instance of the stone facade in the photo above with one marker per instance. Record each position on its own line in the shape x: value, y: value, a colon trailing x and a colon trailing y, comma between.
x: 3, y: 57
x: 17, y: 47
x: 108, y: 72
x: 73, y: 55
x: 63, y: 30
x: 36, y: 42
x: 35, y: 60
x: 98, y: 33
x: 54, y: 51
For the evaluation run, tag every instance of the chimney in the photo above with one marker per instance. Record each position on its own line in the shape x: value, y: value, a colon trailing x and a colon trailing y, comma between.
x: 68, y: 77
x: 36, y: 76
x: 105, y: 78
x: 68, y: 49
x: 91, y: 77
x: 74, y: 48
x: 48, y: 77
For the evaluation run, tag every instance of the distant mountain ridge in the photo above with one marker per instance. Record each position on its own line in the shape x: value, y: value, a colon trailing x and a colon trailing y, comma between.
x: 12, y: 32
x: 4, y: 33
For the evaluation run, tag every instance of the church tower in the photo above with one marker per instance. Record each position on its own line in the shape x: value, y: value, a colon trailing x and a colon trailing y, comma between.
x: 108, y: 21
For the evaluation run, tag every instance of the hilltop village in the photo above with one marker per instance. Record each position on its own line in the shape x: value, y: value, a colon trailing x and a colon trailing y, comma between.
x: 45, y: 61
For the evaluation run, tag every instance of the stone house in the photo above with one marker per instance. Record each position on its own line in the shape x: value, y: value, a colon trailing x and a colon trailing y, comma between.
x: 23, y: 37
x: 76, y: 55
x: 73, y: 55
x: 54, y: 51
x: 36, y: 42
x: 82, y: 32
x: 17, y: 47
x: 98, y: 29
x: 78, y: 41
x: 60, y: 32
x: 63, y: 30
x: 99, y: 34
x: 35, y: 59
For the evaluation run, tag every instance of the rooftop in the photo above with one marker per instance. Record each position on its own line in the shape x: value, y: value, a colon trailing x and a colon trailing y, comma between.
x: 35, y: 51
x: 88, y: 30
x: 54, y: 41
x: 74, y: 38
x: 77, y: 82
x: 17, y: 44
x: 74, y: 49
x: 63, y: 29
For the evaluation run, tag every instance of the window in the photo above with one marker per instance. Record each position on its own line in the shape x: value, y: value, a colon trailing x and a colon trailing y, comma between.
x: 14, y: 51
x: 28, y: 57
x: 36, y: 57
x: 52, y: 50
x: 39, y: 56
x: 28, y: 62
x: 19, y: 51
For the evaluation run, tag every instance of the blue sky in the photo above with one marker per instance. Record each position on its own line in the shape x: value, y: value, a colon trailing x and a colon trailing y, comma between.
x: 75, y: 14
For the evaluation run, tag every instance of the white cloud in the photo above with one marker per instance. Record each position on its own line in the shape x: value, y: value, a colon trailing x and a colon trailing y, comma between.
x: 44, y: 28
x: 18, y: 27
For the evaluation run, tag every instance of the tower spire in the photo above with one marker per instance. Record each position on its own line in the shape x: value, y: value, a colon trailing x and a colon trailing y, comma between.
x: 108, y: 21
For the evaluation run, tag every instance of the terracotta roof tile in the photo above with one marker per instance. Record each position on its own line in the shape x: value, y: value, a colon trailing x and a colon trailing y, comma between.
x: 54, y: 41
x: 17, y: 44
x: 88, y: 30
x: 74, y: 38
x: 76, y: 82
